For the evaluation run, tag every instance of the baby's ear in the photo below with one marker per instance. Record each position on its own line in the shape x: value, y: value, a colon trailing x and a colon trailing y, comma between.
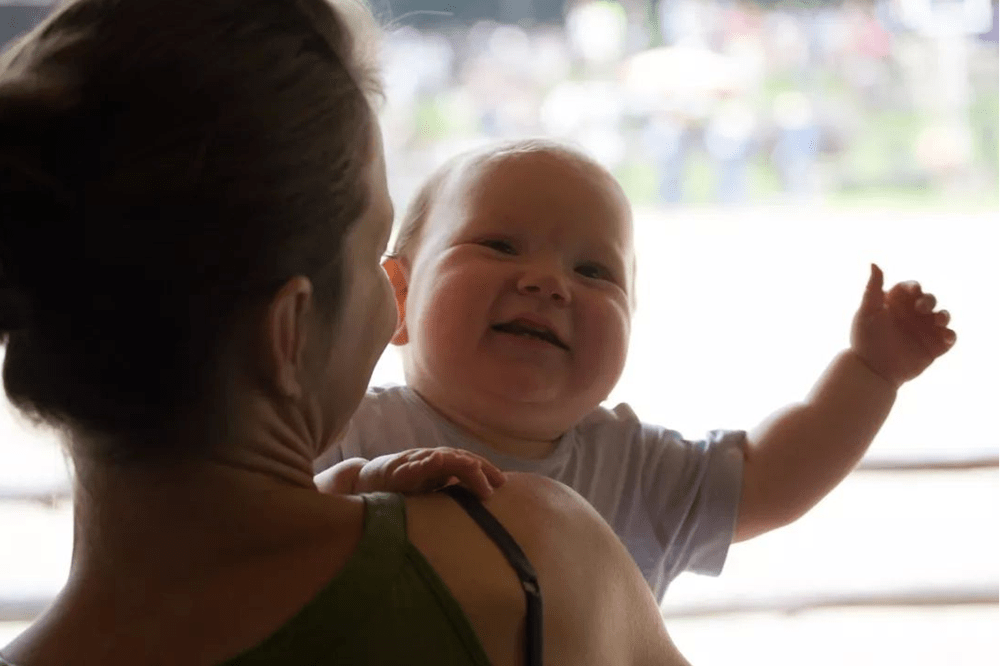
x: 396, y: 268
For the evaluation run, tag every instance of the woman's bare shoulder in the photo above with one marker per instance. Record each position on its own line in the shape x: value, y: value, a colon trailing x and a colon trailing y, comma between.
x: 544, y: 516
x: 598, y: 608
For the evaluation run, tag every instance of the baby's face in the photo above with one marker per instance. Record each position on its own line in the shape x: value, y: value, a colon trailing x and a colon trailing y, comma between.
x: 519, y: 299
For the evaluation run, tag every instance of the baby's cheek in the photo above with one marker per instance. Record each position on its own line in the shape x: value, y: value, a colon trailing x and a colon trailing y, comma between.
x: 607, y: 327
x: 440, y: 315
x: 446, y: 328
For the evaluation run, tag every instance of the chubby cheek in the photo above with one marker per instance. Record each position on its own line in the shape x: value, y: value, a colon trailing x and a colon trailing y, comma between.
x: 441, y: 337
x: 452, y: 313
x: 605, y: 328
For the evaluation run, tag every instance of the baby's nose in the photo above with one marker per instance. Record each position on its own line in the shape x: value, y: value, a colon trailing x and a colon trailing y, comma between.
x: 545, y: 283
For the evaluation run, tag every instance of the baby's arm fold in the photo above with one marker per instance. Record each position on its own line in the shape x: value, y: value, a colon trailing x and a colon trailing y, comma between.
x: 341, y: 478
x: 800, y: 453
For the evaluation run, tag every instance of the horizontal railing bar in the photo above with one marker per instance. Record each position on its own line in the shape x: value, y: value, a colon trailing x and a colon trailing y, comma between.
x: 27, y: 608
x: 44, y: 495
x: 985, y: 595
x: 53, y: 494
x: 22, y: 610
x: 950, y: 463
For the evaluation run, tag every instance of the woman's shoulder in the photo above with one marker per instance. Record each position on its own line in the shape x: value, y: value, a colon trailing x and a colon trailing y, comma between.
x: 534, y: 509
x: 590, y: 586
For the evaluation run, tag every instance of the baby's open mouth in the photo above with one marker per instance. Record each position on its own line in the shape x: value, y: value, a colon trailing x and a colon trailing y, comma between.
x: 518, y: 327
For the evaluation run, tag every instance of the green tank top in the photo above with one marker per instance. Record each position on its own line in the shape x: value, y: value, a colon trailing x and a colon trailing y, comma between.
x: 387, y: 606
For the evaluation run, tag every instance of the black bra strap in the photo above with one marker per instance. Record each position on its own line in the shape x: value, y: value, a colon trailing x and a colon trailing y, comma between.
x: 517, y: 559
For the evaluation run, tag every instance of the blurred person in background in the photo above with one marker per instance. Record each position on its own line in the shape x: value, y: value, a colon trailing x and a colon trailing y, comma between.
x: 797, y: 145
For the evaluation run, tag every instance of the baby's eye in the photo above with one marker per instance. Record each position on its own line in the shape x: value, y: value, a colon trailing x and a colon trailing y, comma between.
x: 500, y: 246
x: 594, y: 272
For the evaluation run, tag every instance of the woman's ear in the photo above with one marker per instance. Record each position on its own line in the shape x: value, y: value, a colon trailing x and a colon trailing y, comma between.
x: 398, y: 271
x: 285, y: 335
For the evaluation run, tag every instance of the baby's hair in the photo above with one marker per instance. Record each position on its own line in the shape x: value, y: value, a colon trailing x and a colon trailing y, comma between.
x: 165, y: 165
x: 420, y: 208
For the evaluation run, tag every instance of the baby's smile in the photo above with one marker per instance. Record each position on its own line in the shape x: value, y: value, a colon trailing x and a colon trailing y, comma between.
x: 532, y: 328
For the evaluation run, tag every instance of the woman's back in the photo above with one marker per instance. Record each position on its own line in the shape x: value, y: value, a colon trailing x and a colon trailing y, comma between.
x: 309, y: 595
x: 428, y: 585
x: 386, y: 605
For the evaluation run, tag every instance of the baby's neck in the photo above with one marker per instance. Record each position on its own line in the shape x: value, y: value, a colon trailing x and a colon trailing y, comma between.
x: 501, y: 439
x: 510, y: 446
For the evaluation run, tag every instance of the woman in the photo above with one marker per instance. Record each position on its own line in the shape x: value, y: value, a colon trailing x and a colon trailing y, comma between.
x: 193, y: 211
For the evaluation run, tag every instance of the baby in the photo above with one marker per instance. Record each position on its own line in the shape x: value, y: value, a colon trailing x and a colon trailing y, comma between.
x: 514, y: 274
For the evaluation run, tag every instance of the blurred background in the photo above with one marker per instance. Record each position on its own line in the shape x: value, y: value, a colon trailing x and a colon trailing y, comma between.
x: 772, y: 150
x: 711, y: 102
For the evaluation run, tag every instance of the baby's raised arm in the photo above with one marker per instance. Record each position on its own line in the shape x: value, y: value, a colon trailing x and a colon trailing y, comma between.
x: 799, y: 454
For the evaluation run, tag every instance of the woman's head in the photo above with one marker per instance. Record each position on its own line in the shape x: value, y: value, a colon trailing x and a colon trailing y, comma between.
x: 166, y: 166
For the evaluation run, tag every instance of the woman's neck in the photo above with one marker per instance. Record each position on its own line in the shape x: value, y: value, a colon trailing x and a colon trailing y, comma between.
x: 137, y: 519
x: 142, y: 518
x: 251, y: 489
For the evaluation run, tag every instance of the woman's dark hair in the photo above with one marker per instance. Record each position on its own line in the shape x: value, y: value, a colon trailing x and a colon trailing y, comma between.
x: 164, y: 164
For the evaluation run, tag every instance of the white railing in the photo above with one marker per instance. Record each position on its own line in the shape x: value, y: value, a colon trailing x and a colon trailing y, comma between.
x: 24, y: 609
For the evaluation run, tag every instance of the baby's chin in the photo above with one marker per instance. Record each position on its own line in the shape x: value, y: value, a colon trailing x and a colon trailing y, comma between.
x: 538, y: 404
x: 542, y: 414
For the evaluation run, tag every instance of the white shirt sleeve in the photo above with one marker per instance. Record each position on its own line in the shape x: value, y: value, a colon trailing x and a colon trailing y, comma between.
x: 673, y: 502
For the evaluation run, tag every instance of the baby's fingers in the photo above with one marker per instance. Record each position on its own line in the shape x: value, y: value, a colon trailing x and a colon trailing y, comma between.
x: 907, y: 300
x: 925, y: 304
x: 905, y: 294
x: 931, y: 329
x: 493, y: 474
x: 472, y: 477
x: 475, y: 473
x: 874, y: 296
x: 940, y: 341
x: 949, y: 337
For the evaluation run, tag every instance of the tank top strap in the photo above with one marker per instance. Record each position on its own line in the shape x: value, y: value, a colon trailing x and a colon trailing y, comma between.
x: 385, y: 521
x: 517, y: 560
x: 382, y: 549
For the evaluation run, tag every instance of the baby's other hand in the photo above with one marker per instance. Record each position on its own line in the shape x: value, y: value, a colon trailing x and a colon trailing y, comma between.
x: 899, y: 334
x: 424, y: 470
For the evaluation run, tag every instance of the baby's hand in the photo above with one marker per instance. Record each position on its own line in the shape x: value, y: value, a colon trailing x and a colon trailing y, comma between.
x: 898, y: 334
x: 424, y: 470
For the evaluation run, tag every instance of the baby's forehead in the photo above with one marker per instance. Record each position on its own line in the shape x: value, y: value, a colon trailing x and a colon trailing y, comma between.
x: 509, y: 180
x: 477, y: 169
